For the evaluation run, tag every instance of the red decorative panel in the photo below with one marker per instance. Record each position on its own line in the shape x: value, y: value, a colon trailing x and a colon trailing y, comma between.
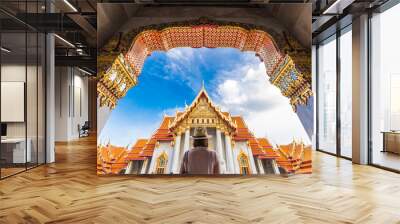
x: 203, y: 36
x: 225, y: 36
x: 268, y: 53
x: 137, y: 54
x: 182, y: 37
x: 153, y: 41
x: 253, y: 41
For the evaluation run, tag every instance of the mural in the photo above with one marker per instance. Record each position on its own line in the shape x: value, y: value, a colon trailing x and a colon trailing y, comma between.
x: 204, y: 97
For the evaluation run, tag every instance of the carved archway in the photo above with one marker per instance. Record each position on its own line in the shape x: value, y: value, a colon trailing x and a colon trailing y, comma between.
x: 287, y: 63
x: 244, y: 164
x: 161, y: 165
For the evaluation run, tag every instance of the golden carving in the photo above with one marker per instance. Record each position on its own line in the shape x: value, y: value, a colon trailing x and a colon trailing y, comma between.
x: 292, y: 84
x: 115, y: 82
x: 202, y: 113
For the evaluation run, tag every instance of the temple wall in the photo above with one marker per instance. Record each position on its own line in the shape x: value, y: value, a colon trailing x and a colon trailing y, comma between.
x: 242, y: 146
x: 162, y: 147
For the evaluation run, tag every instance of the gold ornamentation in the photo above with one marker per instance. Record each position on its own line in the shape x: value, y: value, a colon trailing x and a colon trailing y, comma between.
x: 292, y: 84
x: 244, y: 164
x: 114, y: 83
x: 162, y: 162
x: 202, y: 113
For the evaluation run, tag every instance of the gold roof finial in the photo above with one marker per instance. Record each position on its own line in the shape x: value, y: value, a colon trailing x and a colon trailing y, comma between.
x: 202, y: 85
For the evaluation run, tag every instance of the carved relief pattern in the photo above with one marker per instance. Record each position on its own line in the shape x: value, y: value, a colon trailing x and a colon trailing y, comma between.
x: 182, y: 37
x: 224, y: 36
x: 292, y: 84
x: 114, y: 84
x: 202, y: 112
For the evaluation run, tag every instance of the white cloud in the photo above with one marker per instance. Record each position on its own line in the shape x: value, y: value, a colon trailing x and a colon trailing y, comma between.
x: 183, y: 65
x: 181, y: 54
x: 172, y: 111
x: 246, y: 91
x: 246, y: 88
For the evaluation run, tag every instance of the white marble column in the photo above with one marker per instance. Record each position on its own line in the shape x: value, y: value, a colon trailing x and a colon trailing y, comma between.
x: 186, y: 145
x: 129, y: 168
x: 175, y: 160
x: 251, y: 160
x: 144, y: 166
x: 220, y: 152
x: 275, y: 166
x: 260, y: 166
x: 229, y: 155
x: 236, y: 166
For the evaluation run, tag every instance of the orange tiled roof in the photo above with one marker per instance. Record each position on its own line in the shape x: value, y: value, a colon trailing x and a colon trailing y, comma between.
x: 242, y: 132
x: 269, y: 152
x: 295, y: 158
x: 134, y: 154
x: 260, y: 147
x: 111, y: 159
x: 161, y: 134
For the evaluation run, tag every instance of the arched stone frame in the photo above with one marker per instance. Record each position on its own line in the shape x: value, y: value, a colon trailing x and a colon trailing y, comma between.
x: 287, y: 62
x: 161, y: 163
x: 244, y: 163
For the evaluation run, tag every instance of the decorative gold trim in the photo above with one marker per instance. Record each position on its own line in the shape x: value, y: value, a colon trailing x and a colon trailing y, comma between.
x: 161, y: 167
x: 114, y: 84
x: 202, y: 107
x: 246, y: 160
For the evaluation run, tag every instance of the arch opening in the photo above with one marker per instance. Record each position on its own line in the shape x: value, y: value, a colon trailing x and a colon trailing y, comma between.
x: 120, y: 61
x: 127, y: 65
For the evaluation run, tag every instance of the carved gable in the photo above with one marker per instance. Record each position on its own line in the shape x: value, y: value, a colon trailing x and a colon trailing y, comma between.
x: 202, y: 112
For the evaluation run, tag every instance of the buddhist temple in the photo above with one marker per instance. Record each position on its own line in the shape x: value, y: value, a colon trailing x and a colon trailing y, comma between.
x: 238, y: 150
x: 111, y: 159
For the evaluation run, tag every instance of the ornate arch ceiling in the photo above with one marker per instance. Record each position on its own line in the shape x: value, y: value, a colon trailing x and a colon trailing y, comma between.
x: 121, y: 60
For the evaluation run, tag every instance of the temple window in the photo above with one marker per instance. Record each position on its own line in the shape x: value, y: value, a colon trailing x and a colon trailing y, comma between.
x: 243, y: 163
x: 162, y: 161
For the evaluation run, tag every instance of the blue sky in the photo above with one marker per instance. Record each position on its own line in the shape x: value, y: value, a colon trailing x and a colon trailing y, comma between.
x: 235, y: 80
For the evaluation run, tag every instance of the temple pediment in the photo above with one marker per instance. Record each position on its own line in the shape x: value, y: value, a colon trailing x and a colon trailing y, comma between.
x: 202, y: 112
